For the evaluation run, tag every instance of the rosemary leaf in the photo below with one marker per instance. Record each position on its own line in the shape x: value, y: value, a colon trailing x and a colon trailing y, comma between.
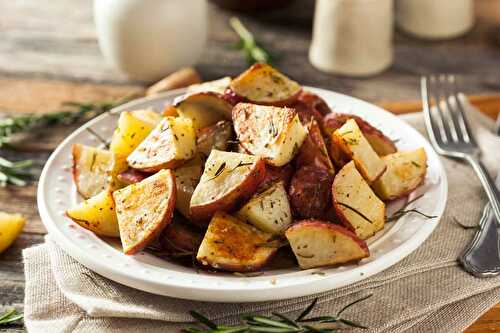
x: 9, y: 317
x: 307, y: 310
x: 253, y: 52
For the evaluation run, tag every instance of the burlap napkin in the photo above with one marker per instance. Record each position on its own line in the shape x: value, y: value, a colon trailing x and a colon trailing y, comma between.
x: 426, y: 292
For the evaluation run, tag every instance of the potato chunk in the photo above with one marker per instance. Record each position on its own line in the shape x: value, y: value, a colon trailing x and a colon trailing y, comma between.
x: 217, y: 86
x: 316, y: 243
x: 262, y: 84
x: 232, y: 245
x: 97, y: 214
x: 352, y: 141
x: 203, y: 108
x: 144, y: 209
x: 11, y: 226
x: 269, y: 211
x: 405, y: 172
x: 131, y: 130
x: 356, y: 205
x: 171, y: 143
x: 214, y: 137
x: 91, y: 169
x: 228, y: 179
x: 186, y: 179
x: 274, y: 133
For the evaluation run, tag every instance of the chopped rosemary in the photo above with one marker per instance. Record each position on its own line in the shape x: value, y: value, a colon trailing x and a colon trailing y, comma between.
x: 464, y: 226
x: 219, y: 170
x: 403, y: 211
x: 277, y: 322
x: 355, y: 211
x: 415, y: 164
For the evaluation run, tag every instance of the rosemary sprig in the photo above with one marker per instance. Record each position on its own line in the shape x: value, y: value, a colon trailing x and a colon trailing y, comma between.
x: 15, y: 173
x: 23, y: 123
x: 253, y: 52
x: 403, y: 211
x: 9, y: 317
x: 277, y: 322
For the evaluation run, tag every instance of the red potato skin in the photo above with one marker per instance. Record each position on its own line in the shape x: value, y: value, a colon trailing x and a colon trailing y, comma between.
x: 132, y: 176
x: 312, y: 223
x: 169, y: 165
x: 232, y: 98
x: 178, y: 235
x: 275, y: 174
x: 310, y: 106
x: 338, y: 212
x: 167, y: 218
x: 225, y: 106
x: 313, y: 151
x: 202, y: 214
x: 310, y: 192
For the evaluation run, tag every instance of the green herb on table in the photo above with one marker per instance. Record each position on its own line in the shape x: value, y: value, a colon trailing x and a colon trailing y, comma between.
x: 15, y: 173
x: 10, y: 317
x: 253, y: 52
x: 403, y: 211
x: 278, y: 323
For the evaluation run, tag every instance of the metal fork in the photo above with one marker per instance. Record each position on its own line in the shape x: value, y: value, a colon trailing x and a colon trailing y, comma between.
x: 449, y: 130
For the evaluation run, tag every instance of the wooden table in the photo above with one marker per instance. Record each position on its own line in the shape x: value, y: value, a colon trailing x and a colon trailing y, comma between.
x: 49, y: 54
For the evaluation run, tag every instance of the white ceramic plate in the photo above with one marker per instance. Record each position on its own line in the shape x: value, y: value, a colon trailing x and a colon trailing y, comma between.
x: 56, y: 193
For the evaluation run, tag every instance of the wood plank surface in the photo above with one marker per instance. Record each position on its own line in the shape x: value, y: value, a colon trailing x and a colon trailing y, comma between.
x: 49, y: 54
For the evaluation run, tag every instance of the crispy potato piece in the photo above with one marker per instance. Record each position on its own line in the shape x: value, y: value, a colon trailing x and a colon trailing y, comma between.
x: 186, y: 179
x: 97, y: 214
x: 310, y: 191
x: 357, y: 207
x: 130, y: 132
x: 232, y: 245
x: 91, y: 169
x: 148, y: 116
x: 214, y: 137
x: 144, y: 209
x: 405, y: 172
x: 313, y: 151
x: 316, y: 243
x: 352, y: 141
x: 11, y: 225
x: 228, y: 179
x: 179, y: 237
x: 274, y: 133
x: 203, y: 108
x: 169, y: 145
x: 170, y: 111
x: 217, y: 86
x: 262, y: 84
x: 379, y: 142
x: 269, y: 211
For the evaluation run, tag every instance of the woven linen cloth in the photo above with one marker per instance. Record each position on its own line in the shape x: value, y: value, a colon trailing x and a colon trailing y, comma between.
x: 425, y: 292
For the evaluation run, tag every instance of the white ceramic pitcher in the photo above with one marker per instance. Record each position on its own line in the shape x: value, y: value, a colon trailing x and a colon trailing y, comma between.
x: 148, y: 39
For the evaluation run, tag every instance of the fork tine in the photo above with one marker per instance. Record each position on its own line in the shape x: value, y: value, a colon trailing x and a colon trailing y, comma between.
x: 430, y: 121
x: 450, y: 113
x: 440, y: 114
x: 461, y: 118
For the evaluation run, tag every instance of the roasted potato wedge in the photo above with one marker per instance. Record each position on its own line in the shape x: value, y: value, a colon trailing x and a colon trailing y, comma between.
x: 268, y: 211
x: 232, y: 245
x: 186, y: 179
x: 316, y: 243
x: 310, y: 191
x: 228, y: 179
x: 91, y: 169
x: 11, y: 225
x: 133, y: 127
x: 313, y: 151
x: 357, y: 207
x: 217, y: 86
x: 169, y: 145
x: 276, y: 174
x: 274, y: 133
x: 262, y: 84
x: 379, y: 142
x: 97, y: 214
x: 180, y: 238
x: 144, y: 209
x: 214, y: 137
x: 352, y: 141
x: 203, y: 108
x: 148, y: 116
x: 405, y: 172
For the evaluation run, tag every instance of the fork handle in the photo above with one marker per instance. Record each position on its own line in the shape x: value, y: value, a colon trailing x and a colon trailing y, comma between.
x: 488, y: 185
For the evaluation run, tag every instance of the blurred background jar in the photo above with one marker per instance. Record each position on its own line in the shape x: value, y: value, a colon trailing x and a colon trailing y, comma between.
x: 435, y: 19
x: 352, y: 37
x: 148, y: 39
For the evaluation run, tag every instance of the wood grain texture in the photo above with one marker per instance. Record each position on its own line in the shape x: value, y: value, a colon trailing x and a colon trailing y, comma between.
x: 49, y: 54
